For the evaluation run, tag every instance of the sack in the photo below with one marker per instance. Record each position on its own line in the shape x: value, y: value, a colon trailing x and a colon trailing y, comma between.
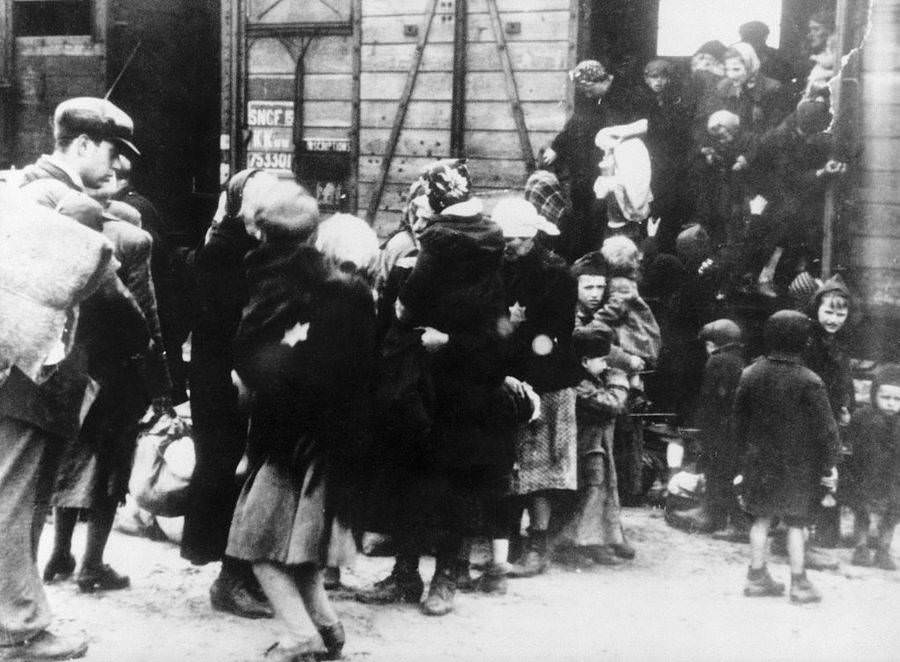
x: 163, y: 465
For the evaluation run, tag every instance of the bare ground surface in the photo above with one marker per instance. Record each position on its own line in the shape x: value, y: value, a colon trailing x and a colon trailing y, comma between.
x: 681, y: 599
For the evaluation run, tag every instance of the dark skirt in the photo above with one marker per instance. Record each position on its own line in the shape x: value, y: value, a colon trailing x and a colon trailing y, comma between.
x: 95, y: 467
x: 280, y: 517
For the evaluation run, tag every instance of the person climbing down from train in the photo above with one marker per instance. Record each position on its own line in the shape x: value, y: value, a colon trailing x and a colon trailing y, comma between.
x: 787, y: 440
x: 873, y: 485
x: 600, y: 102
x: 790, y: 170
x: 594, y: 533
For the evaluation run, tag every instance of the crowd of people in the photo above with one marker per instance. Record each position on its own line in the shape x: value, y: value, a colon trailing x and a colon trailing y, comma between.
x: 472, y: 373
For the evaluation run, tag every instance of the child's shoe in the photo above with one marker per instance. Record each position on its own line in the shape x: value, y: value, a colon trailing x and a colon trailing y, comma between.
x: 862, y: 556
x: 494, y: 579
x: 819, y: 559
x: 760, y: 584
x: 883, y: 560
x: 802, y: 590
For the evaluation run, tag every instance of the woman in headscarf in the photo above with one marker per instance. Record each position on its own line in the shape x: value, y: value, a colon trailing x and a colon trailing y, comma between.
x: 305, y: 348
x: 760, y: 102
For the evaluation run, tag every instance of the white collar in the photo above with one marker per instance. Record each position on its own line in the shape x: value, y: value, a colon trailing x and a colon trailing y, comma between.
x: 66, y: 168
x: 470, y: 207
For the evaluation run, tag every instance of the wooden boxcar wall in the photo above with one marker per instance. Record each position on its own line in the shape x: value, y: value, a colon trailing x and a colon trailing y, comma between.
x: 875, y: 237
x: 538, y: 37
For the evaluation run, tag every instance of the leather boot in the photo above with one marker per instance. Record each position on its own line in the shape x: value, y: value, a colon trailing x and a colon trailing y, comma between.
x: 231, y: 594
x: 802, y: 590
x: 760, y: 584
x: 441, y: 592
x: 404, y: 584
x: 333, y: 637
x: 45, y: 646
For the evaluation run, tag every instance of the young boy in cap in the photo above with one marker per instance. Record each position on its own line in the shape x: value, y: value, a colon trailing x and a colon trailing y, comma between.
x: 594, y: 533
x: 874, y: 486
x: 721, y: 375
x: 787, y: 440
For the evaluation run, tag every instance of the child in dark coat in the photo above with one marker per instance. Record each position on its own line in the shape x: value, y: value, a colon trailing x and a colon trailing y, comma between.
x: 874, y: 469
x: 787, y: 439
x: 714, y: 418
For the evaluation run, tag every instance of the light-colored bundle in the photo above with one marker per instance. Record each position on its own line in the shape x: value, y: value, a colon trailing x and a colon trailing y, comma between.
x: 49, y: 263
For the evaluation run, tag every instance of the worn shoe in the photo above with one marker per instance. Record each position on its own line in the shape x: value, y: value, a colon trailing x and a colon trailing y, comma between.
x: 302, y: 652
x: 59, y: 567
x: 803, y: 592
x: 493, y: 581
x: 333, y: 637
x: 623, y: 550
x: 883, y: 560
x: 694, y: 520
x: 103, y: 578
x: 817, y: 559
x: 862, y: 556
x: 396, y: 587
x: 465, y: 582
x: 440, y: 595
x: 45, y: 646
x: 232, y: 596
x: 760, y: 584
x: 533, y: 564
x: 604, y: 555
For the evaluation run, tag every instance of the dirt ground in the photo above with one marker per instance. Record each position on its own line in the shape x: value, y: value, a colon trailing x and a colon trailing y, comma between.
x: 681, y: 599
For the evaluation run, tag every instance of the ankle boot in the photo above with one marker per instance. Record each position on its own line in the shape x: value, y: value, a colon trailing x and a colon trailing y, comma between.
x: 802, y: 590
x: 536, y: 559
x: 333, y: 637
x: 59, y: 567
x: 883, y: 559
x: 760, y: 584
x: 441, y: 592
x: 404, y: 584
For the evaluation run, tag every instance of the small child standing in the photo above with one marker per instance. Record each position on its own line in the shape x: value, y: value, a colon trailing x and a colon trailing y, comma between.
x: 788, y: 443
x: 595, y: 532
x: 715, y: 420
x: 875, y: 468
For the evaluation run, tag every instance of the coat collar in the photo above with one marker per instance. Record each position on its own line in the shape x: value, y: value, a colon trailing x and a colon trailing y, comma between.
x: 784, y: 357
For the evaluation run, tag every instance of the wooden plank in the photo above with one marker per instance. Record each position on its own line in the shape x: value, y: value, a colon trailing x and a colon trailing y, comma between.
x: 877, y: 219
x: 485, y: 172
x: 325, y: 55
x: 297, y: 11
x: 401, y: 109
x: 355, y: 103
x: 877, y: 287
x: 480, y: 86
x: 883, y: 86
x: 327, y: 114
x: 881, y: 154
x: 512, y: 88
x: 435, y: 142
x: 414, y: 7
x: 525, y: 56
x: 323, y: 87
x: 484, y: 115
x: 458, y: 110
x: 880, y: 252
x: 269, y: 56
x: 535, y: 26
x: 879, y: 119
x: 880, y: 187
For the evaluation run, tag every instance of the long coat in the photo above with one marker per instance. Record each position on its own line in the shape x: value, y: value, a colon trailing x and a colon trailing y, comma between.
x: 785, y: 434
x: 873, y: 472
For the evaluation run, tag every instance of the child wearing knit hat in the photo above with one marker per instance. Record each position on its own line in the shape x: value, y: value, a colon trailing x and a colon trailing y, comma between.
x: 874, y: 469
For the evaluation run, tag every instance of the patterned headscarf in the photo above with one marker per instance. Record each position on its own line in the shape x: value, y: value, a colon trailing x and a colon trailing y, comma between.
x: 587, y: 72
x: 447, y: 183
x: 746, y: 54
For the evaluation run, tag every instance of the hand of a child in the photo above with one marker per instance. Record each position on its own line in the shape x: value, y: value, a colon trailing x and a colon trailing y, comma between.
x: 845, y: 417
x: 549, y: 156
x: 740, y: 163
x: 758, y: 205
x: 737, y: 480
x: 636, y: 363
x: 432, y: 339
x: 831, y: 480
x: 295, y: 334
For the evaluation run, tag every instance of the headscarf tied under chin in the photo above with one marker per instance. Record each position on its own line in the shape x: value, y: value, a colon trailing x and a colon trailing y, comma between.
x: 447, y: 183
x: 746, y: 54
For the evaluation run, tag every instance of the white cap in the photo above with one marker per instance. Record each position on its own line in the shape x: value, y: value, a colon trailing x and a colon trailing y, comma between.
x: 518, y: 218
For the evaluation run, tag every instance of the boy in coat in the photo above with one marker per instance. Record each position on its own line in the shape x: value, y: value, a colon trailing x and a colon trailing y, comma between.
x: 788, y: 441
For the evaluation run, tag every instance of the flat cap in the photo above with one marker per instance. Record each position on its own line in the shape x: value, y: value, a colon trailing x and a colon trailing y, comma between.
x: 98, y: 118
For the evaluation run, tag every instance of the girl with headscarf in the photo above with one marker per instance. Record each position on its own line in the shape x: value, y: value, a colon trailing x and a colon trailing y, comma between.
x: 760, y: 102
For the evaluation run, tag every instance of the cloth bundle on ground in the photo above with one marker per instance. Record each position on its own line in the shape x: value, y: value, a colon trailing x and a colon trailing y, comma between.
x: 48, y: 265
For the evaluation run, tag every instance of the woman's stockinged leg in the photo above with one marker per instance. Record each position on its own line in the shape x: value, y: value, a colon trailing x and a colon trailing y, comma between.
x: 315, y: 598
x: 759, y: 541
x: 280, y: 586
